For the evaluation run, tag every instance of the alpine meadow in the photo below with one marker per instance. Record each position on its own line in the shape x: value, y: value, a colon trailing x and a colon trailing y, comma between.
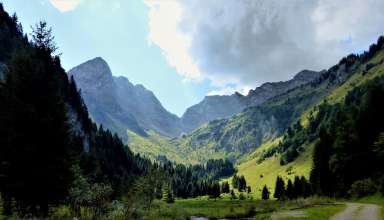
x: 255, y: 110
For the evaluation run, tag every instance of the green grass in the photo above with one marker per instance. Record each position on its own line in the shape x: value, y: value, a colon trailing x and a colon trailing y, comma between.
x: 183, y: 209
x: 358, y: 79
x: 259, y: 174
x: 225, y: 208
x: 154, y: 145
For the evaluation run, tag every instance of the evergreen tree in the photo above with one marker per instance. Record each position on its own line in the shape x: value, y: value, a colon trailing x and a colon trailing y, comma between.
x: 168, y: 195
x: 225, y: 187
x: 214, y: 191
x: 265, y: 193
x: 43, y: 38
x: 233, y: 195
x: 298, y: 188
x: 289, y: 190
x: 279, y: 188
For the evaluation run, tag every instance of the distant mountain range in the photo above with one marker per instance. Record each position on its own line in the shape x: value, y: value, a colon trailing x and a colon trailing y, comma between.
x: 119, y: 105
x: 220, y: 107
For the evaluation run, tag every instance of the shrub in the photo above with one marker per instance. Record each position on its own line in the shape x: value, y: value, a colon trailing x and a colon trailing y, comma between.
x: 362, y: 188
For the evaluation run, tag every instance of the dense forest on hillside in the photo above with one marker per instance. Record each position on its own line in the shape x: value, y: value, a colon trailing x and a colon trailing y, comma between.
x: 348, y: 135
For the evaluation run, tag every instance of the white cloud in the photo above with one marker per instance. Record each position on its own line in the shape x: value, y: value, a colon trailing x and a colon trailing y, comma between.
x: 65, y: 5
x: 228, y: 90
x: 164, y: 18
x: 248, y: 42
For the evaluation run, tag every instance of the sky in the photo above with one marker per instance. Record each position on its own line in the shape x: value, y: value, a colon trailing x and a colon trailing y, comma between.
x: 183, y: 50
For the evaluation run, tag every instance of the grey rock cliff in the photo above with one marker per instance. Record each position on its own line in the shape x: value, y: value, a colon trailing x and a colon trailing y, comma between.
x: 118, y: 104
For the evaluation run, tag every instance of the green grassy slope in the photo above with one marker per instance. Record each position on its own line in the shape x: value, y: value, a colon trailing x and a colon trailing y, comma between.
x: 238, y: 137
x: 263, y: 173
x: 154, y: 145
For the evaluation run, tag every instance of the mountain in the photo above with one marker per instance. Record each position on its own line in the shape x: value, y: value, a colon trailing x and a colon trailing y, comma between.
x: 220, y: 107
x: 331, y: 141
x: 119, y: 105
x: 238, y: 136
x: 212, y: 108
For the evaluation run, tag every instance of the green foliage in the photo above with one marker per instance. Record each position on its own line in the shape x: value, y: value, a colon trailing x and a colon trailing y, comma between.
x: 289, y: 191
x: 197, y: 180
x: 238, y: 182
x: 168, y: 195
x: 233, y: 195
x: 35, y: 134
x: 265, y: 193
x: 42, y: 37
x: 225, y: 187
x: 214, y: 191
x: 363, y: 188
x: 279, y: 188
x: 241, y: 196
x: 348, y: 134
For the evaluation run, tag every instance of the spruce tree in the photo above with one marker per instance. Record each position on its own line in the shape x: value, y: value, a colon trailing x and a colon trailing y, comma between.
x: 168, y: 195
x: 279, y: 188
x: 289, y: 190
x: 265, y: 193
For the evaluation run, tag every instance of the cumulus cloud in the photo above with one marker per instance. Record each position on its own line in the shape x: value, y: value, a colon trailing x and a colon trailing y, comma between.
x: 164, y: 18
x: 248, y: 42
x: 65, y: 5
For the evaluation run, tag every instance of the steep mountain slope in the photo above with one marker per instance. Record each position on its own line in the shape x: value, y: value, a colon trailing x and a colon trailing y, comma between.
x: 243, y: 133
x: 291, y: 154
x: 146, y: 108
x: 118, y: 104
x: 220, y: 107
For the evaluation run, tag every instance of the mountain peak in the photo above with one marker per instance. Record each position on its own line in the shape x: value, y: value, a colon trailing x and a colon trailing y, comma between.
x: 92, y: 69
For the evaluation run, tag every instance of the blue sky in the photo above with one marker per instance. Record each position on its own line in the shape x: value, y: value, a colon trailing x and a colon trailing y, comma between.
x: 183, y: 50
x: 118, y: 33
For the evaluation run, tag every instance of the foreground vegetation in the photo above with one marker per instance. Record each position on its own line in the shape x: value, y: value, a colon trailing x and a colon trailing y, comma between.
x: 314, y: 208
x: 226, y: 208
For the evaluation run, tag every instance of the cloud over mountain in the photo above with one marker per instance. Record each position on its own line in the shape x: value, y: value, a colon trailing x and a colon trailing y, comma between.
x: 249, y: 42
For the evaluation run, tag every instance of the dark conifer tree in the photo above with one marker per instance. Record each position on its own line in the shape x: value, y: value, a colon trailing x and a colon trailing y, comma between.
x: 265, y: 193
x: 289, y: 191
x: 298, y: 188
x: 279, y: 188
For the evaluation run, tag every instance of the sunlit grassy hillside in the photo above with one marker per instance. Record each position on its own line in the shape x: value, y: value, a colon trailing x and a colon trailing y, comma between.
x: 259, y: 173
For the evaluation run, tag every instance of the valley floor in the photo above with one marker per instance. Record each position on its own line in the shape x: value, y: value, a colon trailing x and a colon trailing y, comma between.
x: 307, y: 209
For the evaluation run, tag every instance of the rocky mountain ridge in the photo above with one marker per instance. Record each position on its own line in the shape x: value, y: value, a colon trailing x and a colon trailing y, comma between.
x: 120, y: 105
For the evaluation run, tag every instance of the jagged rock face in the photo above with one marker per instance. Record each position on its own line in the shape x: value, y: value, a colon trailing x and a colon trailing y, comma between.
x: 118, y: 104
x: 146, y: 108
x: 219, y: 107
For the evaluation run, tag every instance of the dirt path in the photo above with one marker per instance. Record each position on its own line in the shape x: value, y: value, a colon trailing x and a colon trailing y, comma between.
x: 357, y: 211
x: 288, y: 214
